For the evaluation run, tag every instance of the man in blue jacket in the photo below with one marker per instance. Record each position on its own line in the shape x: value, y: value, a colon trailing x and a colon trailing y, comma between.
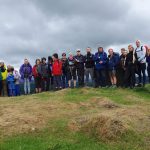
x: 100, y: 66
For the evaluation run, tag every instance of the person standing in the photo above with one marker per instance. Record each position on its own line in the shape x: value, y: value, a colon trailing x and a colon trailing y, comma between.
x: 112, y: 64
x: 89, y: 66
x: 36, y: 71
x: 100, y: 66
x: 65, y: 68
x: 79, y: 61
x: 1, y: 78
x: 17, y: 82
x: 120, y: 69
x: 140, y: 53
x: 148, y: 64
x: 57, y: 72
x: 4, y: 77
x: 72, y: 75
x: 45, y: 74
x: 26, y: 75
x: 130, y: 68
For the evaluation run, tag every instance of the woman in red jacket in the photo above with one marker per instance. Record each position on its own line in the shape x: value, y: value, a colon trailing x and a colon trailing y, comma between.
x: 36, y: 71
x: 57, y: 72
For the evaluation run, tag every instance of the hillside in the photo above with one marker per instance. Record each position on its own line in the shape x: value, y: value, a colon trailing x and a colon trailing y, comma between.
x: 77, y: 119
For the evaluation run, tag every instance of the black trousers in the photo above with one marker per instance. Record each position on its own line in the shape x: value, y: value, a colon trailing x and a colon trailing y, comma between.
x: 100, y: 78
x: 129, y: 79
x: 148, y: 72
x: 120, y: 73
x: 141, y: 72
x: 80, y: 74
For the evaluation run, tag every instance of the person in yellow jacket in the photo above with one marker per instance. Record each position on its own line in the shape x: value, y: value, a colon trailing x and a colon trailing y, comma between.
x: 4, y: 76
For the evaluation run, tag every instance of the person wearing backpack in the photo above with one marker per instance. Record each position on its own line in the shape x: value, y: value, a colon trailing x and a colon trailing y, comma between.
x: 130, y: 68
x: 100, y: 59
x: 65, y: 69
x: 140, y: 53
x: 36, y: 71
x: 45, y: 74
x: 79, y: 61
x: 89, y: 66
x: 112, y: 64
x: 72, y: 75
x: 148, y: 63
x: 26, y: 75
x: 57, y: 72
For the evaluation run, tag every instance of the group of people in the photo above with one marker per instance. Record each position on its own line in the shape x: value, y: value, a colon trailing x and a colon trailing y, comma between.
x: 97, y: 70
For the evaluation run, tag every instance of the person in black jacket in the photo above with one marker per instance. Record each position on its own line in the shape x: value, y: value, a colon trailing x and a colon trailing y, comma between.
x: 89, y: 66
x: 130, y: 68
x: 120, y: 70
x: 65, y: 69
x: 50, y: 78
x: 80, y: 67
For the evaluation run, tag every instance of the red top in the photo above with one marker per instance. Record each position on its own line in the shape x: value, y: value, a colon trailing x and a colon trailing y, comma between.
x: 57, y: 68
x: 34, y: 71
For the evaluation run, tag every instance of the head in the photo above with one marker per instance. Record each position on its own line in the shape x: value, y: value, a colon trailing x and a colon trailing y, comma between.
x: 1, y: 63
x: 78, y: 52
x: 26, y: 61
x: 138, y: 43
x: 88, y: 50
x: 123, y: 50
x: 130, y: 48
x: 55, y: 56
x: 100, y: 49
x: 50, y: 59
x: 110, y: 51
x: 64, y: 55
x: 148, y: 51
x: 38, y: 61
x: 70, y: 54
x: 43, y: 60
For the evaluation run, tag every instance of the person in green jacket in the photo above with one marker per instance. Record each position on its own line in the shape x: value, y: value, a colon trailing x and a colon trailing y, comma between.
x: 4, y: 76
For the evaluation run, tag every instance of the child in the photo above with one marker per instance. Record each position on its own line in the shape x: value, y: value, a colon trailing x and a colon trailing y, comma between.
x: 17, y: 82
x: 57, y: 71
x: 11, y: 81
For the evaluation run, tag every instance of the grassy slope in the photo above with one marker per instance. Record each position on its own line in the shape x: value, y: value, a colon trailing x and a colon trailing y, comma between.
x: 65, y: 106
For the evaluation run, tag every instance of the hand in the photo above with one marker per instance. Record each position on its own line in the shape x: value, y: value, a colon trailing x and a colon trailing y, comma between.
x: 101, y: 62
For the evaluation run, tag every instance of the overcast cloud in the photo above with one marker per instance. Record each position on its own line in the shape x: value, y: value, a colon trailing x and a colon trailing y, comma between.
x: 36, y: 28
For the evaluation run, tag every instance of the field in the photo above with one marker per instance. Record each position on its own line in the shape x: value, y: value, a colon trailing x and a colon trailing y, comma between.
x: 77, y: 119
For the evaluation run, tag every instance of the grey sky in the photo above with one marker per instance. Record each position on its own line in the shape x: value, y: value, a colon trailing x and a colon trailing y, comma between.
x: 36, y: 28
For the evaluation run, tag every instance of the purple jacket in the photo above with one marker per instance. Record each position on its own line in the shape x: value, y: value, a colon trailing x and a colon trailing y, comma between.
x: 26, y: 71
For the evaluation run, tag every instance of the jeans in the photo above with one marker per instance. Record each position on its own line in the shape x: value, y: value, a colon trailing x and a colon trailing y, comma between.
x: 89, y: 72
x: 17, y: 90
x: 64, y: 80
x: 57, y: 81
x: 26, y: 86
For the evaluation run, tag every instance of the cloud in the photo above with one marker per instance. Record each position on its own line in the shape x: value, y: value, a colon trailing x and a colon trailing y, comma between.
x: 35, y: 28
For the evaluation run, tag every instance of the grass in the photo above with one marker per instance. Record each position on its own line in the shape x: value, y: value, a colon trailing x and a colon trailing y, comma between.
x: 57, y: 109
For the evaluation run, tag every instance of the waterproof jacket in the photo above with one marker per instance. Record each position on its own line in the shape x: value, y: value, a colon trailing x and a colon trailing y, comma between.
x: 57, y: 68
x: 79, y: 61
x: 112, y: 62
x: 100, y: 57
x: 89, y: 60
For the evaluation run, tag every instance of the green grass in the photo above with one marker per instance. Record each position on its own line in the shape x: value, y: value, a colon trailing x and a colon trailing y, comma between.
x: 56, y: 136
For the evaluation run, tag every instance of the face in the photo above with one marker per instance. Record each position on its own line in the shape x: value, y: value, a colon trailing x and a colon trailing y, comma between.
x: 26, y: 61
x: 88, y: 50
x: 130, y: 48
x: 64, y: 56
x: 138, y: 43
x: 78, y: 53
x: 110, y: 51
x: 38, y: 62
x: 100, y: 50
x: 44, y: 61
